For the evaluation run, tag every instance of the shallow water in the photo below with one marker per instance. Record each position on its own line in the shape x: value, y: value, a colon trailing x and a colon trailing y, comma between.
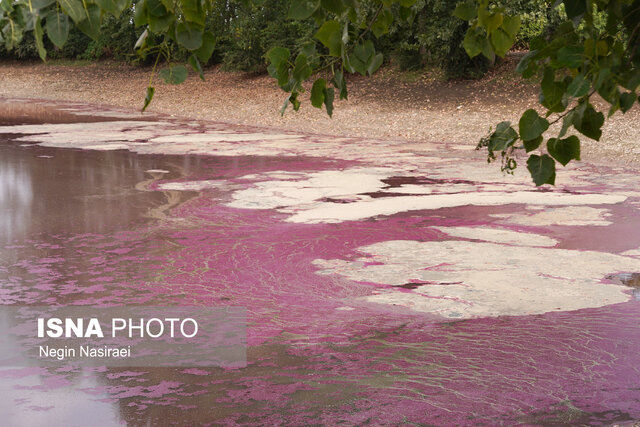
x: 95, y: 228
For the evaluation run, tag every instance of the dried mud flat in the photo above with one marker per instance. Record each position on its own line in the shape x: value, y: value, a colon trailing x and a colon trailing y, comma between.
x: 410, y: 107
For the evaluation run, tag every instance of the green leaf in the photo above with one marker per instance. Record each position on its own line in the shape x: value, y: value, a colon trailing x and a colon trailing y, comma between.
x: 74, y: 9
x: 578, y: 87
x: 407, y: 14
x: 283, y: 75
x: 340, y: 84
x: 603, y: 76
x: 334, y: 6
x: 278, y: 55
x: 615, y: 106
x: 532, y: 144
x: 293, y: 99
x: 381, y: 25
x: 374, y: 63
x: 189, y: 35
x: 170, y: 5
x: 511, y: 25
x: 285, y: 104
x: 487, y: 50
x: 503, y: 137
x: 301, y: 70
x: 590, y: 49
x: 41, y: 4
x: 91, y: 24
x: 7, y: 6
x: 591, y: 123
x: 571, y: 56
x: 363, y: 52
x: 346, y: 62
x: 529, y: 72
x: 610, y: 93
x: 205, y: 51
x: 140, y: 13
x: 38, y: 34
x: 309, y: 49
x: 57, y: 28
x: 362, y: 57
x: 531, y: 125
x: 160, y: 24
x: 466, y: 10
x: 575, y: 9
x: 302, y: 9
x: 13, y: 33
x: 473, y: 43
x: 525, y: 61
x: 602, y: 48
x: 317, y: 92
x: 552, y: 92
x: 542, y: 169
x: 563, y: 32
x: 632, y: 80
x: 329, y: 95
x: 193, y: 12
x: 537, y: 43
x: 195, y: 64
x: 567, y: 122
x: 155, y: 8
x: 626, y: 101
x: 147, y: 99
x: 492, y: 22
x: 174, y: 75
x: 564, y: 150
x: 115, y: 7
x: 501, y: 42
x: 352, y: 10
x: 330, y: 36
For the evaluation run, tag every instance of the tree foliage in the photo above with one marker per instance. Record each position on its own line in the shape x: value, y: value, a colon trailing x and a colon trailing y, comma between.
x: 595, y: 50
x: 592, y: 49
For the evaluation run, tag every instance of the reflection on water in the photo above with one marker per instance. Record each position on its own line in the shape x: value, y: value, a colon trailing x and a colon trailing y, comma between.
x: 32, y: 400
x: 60, y: 211
x: 72, y: 191
x: 16, y: 197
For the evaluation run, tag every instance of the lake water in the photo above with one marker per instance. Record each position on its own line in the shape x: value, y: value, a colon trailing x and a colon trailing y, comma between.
x: 100, y: 228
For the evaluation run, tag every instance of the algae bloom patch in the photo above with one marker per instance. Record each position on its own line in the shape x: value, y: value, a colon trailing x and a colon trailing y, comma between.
x: 467, y: 279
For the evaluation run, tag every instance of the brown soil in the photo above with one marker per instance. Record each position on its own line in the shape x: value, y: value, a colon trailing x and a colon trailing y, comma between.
x: 412, y: 106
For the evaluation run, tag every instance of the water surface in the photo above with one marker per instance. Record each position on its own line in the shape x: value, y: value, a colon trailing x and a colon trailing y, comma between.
x: 82, y: 227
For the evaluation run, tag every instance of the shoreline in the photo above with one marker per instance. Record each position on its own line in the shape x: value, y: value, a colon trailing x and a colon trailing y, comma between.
x: 391, y: 105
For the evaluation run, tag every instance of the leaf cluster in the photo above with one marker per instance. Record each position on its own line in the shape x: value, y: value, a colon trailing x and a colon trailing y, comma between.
x: 578, y: 60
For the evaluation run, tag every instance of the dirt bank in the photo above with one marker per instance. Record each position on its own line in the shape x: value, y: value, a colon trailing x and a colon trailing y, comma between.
x: 390, y: 105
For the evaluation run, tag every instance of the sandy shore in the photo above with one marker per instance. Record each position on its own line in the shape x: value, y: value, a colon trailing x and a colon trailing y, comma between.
x: 391, y: 105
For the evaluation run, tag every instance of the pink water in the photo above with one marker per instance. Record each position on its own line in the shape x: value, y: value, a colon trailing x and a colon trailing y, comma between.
x: 87, y: 237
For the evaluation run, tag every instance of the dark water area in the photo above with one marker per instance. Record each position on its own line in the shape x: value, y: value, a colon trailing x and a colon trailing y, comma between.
x: 74, y: 191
